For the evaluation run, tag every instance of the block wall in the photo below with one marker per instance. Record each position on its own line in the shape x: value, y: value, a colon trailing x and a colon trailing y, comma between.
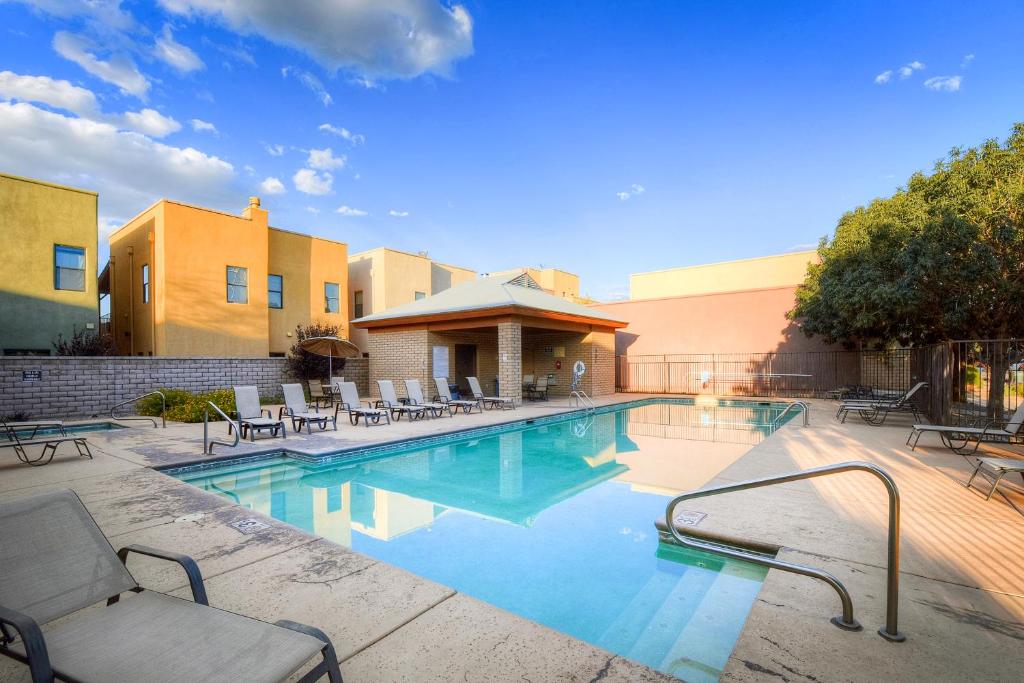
x: 399, y: 355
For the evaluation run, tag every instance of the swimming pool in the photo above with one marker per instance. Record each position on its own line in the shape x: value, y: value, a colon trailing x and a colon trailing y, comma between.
x: 554, y: 521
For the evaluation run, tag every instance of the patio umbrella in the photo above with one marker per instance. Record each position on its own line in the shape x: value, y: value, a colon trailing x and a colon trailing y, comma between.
x: 332, y: 347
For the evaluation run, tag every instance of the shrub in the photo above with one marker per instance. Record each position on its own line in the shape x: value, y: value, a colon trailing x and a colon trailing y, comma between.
x: 184, y: 406
x: 972, y: 375
x: 85, y: 343
x: 16, y: 416
x: 151, y: 404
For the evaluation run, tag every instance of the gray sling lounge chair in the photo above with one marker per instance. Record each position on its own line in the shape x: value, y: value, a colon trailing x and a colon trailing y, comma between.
x: 49, y: 445
x: 503, y: 402
x: 33, y: 427
x: 415, y: 394
x: 389, y: 400
x: 959, y: 439
x: 348, y: 400
x: 55, y: 561
x: 252, y: 417
x: 297, y: 409
x: 874, y: 412
x: 1001, y: 466
x: 444, y: 395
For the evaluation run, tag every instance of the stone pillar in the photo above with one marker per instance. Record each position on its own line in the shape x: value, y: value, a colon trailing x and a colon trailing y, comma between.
x: 510, y: 359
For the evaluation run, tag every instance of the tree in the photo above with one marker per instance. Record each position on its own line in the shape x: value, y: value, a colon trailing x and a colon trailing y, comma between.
x: 943, y: 258
x: 305, y: 365
x: 85, y: 343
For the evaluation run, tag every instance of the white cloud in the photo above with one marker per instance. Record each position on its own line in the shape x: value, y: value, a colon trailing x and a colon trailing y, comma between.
x: 638, y: 189
x: 623, y: 196
x: 101, y: 14
x: 310, y: 182
x: 398, y: 214
x: 884, y: 77
x: 944, y: 83
x: 634, y: 189
x: 324, y: 160
x: 343, y: 133
x: 151, y: 122
x: 119, y: 70
x: 272, y: 185
x: 274, y: 150
x: 349, y: 211
x: 311, y: 82
x: 128, y: 169
x: 313, y: 210
x: 375, y: 38
x: 907, y: 70
x: 966, y: 61
x: 249, y: 169
x: 200, y: 126
x: 174, y: 53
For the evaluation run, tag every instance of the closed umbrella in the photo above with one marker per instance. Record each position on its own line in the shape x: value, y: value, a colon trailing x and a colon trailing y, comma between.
x: 332, y: 347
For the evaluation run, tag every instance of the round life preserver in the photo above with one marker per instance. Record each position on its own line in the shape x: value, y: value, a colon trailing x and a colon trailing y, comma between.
x: 578, y: 368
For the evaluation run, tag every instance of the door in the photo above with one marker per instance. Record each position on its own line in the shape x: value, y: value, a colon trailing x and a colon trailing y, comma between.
x: 465, y: 365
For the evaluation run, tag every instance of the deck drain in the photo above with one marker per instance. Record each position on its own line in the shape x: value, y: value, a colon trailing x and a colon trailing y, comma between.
x: 250, y: 525
x: 689, y: 517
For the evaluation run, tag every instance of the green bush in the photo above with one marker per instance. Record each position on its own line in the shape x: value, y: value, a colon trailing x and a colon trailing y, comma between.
x: 184, y: 406
x: 151, y: 404
x: 972, y: 375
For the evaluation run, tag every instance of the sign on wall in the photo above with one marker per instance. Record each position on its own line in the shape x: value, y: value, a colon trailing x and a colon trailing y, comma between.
x: 441, y: 361
x: 31, y: 375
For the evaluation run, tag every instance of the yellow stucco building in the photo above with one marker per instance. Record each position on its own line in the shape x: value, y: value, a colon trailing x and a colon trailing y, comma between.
x: 190, y: 281
x: 765, y: 272
x: 553, y: 281
x: 382, y: 278
x: 48, y: 272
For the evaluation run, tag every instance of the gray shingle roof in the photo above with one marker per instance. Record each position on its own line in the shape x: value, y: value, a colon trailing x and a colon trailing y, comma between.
x: 496, y: 291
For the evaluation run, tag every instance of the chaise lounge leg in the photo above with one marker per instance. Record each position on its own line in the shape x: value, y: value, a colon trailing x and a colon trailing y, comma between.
x: 329, y: 665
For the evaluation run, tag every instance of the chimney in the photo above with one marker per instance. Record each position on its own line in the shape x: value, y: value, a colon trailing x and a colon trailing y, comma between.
x: 254, y: 202
x: 253, y: 211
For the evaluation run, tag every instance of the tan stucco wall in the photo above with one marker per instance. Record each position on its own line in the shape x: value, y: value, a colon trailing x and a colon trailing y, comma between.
x: 443, y: 276
x: 783, y: 270
x: 132, y: 246
x: 561, y: 283
x: 34, y: 217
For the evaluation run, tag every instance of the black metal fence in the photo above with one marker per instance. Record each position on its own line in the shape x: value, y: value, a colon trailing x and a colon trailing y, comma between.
x: 968, y: 379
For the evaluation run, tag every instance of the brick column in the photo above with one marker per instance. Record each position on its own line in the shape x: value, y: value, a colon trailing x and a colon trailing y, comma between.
x: 510, y: 359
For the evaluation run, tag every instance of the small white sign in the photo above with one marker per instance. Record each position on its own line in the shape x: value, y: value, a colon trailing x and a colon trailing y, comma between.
x: 250, y: 525
x: 441, y: 361
x: 689, y: 517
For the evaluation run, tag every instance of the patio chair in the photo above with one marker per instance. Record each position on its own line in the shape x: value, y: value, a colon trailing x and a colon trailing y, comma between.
x: 1001, y: 466
x: 539, y: 391
x: 49, y: 445
x: 875, y: 411
x: 389, y: 400
x: 56, y: 561
x: 415, y: 393
x: 252, y: 417
x: 297, y: 409
x: 34, y: 426
x: 503, y: 402
x: 317, y: 394
x: 444, y: 395
x: 527, y: 383
x: 335, y: 385
x: 958, y: 439
x: 348, y: 400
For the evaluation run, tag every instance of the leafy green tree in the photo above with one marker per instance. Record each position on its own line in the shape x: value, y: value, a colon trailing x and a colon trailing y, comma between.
x: 943, y: 258
x: 305, y: 365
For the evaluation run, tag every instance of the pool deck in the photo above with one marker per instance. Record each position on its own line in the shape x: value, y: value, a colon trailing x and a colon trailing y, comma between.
x: 961, y: 606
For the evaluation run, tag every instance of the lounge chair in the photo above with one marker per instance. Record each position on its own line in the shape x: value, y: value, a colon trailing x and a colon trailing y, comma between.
x: 875, y: 411
x: 34, y: 426
x: 49, y: 445
x: 1001, y: 466
x: 297, y: 409
x: 389, y: 400
x: 252, y: 417
x: 444, y: 395
x: 539, y: 391
x: 415, y: 393
x: 317, y: 394
x: 958, y: 439
x: 348, y: 400
x: 57, y: 562
x: 503, y: 402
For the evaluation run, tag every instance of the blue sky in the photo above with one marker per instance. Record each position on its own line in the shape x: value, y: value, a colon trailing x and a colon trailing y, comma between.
x: 601, y: 138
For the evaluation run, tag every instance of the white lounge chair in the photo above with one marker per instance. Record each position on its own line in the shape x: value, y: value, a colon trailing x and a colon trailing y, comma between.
x: 1001, y: 466
x: 958, y: 439
x: 503, y: 402
x: 33, y: 427
x: 348, y: 400
x: 415, y: 394
x: 389, y: 400
x: 444, y: 395
x: 874, y: 411
x: 297, y: 409
x: 49, y: 445
x: 252, y: 417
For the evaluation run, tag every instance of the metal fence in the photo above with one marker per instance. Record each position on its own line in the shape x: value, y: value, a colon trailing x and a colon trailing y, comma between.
x: 968, y: 379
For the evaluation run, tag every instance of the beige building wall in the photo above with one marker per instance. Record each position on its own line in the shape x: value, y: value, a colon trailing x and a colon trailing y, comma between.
x: 783, y: 270
x: 561, y: 283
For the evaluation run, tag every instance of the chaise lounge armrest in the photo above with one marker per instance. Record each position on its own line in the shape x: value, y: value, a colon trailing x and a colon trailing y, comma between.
x: 31, y: 639
x: 195, y: 577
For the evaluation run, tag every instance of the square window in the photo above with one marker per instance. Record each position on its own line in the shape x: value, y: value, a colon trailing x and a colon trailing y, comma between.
x: 419, y: 295
x: 357, y: 304
x: 275, y: 291
x: 331, y: 302
x: 238, y: 285
x: 69, y: 268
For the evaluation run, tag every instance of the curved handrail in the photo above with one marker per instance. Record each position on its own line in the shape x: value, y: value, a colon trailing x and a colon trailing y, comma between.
x: 209, y: 443
x: 163, y: 409
x: 791, y: 406
x: 580, y: 396
x: 890, y: 631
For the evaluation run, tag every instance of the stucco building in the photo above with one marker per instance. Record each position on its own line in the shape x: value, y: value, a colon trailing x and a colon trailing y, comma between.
x: 48, y: 272
x: 190, y: 281
x: 561, y: 283
x: 497, y: 329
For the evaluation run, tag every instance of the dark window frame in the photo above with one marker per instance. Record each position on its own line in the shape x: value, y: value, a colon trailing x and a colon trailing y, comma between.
x: 243, y: 286
x: 57, y: 268
x: 328, y: 298
x: 279, y: 292
x: 145, y: 283
x: 357, y: 304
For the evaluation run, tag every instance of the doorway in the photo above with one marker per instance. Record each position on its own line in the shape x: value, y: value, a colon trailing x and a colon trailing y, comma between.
x: 465, y: 364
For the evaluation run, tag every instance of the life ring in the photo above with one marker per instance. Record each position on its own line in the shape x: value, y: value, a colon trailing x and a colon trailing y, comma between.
x: 578, y: 368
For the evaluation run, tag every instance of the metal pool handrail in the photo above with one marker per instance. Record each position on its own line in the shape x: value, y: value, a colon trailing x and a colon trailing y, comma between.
x: 890, y: 631
x: 163, y: 409
x: 209, y: 443
x: 791, y: 406
x: 580, y: 396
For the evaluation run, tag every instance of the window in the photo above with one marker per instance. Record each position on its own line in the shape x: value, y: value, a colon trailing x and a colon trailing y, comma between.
x: 357, y: 304
x: 69, y: 268
x: 419, y: 295
x: 145, y: 283
x: 275, y: 291
x: 238, y: 285
x: 331, y: 297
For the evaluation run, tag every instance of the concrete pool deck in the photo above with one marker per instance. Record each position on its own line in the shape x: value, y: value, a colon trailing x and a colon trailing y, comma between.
x: 961, y: 603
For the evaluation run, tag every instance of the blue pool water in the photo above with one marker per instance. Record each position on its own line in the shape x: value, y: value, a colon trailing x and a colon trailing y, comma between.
x: 552, y: 522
